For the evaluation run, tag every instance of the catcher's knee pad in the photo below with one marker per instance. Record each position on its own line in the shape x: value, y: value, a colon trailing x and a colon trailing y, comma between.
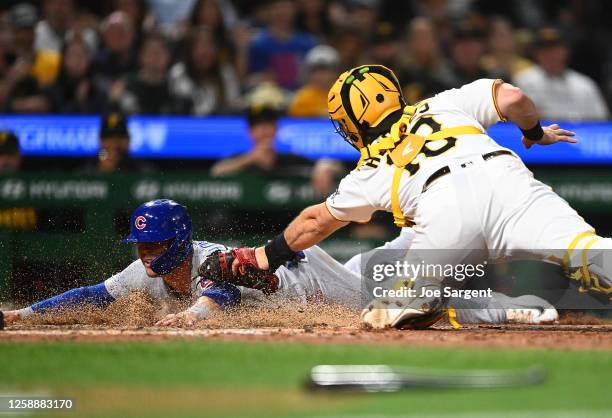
x: 588, y: 261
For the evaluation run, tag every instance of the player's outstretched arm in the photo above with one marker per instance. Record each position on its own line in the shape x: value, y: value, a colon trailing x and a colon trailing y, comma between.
x: 517, y: 107
x: 312, y: 226
x: 96, y: 295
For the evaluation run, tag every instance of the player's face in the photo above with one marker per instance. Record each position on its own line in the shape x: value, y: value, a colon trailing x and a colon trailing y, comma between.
x: 148, y: 252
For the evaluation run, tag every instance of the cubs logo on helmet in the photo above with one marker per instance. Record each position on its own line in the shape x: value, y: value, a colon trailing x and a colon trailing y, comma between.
x: 364, y: 102
x: 140, y: 222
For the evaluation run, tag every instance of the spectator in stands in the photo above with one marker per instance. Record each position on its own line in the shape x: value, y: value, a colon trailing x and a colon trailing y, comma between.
x: 349, y: 42
x: 276, y: 53
x: 266, y: 94
x: 10, y: 155
x: 263, y: 159
x: 384, y: 46
x: 6, y: 58
x: 313, y: 18
x: 137, y: 13
x: 559, y: 92
x: 203, y: 79
x: 326, y: 175
x: 147, y: 91
x: 117, y: 58
x: 43, y: 65
x: 467, y: 50
x: 114, y: 147
x: 441, y: 14
x: 140, y: 21
x: 502, y: 61
x: 363, y: 14
x: 170, y: 15
x: 26, y: 96
x: 74, y: 91
x: 60, y: 22
x: 217, y: 16
x: 322, y: 68
x: 242, y: 35
x: 423, y: 69
x: 5, y: 36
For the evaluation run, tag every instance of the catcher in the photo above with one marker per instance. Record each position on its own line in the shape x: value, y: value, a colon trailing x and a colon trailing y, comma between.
x: 434, y: 167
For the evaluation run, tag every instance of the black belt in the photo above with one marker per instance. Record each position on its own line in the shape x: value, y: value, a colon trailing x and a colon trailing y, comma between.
x: 446, y: 169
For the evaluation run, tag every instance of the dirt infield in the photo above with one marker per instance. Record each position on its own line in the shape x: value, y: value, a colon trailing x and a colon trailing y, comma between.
x: 133, y: 319
x: 594, y: 337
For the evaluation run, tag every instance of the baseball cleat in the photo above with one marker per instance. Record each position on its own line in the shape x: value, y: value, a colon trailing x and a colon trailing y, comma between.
x: 387, y: 317
x: 531, y: 316
x: 392, y: 314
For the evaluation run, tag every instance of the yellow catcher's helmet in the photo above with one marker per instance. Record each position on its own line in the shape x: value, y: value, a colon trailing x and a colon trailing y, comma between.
x: 364, y: 102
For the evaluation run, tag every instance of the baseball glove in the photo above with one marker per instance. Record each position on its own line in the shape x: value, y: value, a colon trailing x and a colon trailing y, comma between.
x: 218, y: 268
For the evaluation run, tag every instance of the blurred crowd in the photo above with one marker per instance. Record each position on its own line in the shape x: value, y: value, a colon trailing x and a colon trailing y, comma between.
x: 269, y: 58
x: 204, y: 57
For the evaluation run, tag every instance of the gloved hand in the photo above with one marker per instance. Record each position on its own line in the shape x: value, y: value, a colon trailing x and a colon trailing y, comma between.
x: 218, y: 267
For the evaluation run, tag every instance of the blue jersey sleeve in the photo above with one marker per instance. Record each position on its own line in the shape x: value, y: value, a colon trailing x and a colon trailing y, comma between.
x: 224, y: 294
x: 96, y: 295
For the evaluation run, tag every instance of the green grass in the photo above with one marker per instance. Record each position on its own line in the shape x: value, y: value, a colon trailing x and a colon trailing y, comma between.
x: 215, y: 378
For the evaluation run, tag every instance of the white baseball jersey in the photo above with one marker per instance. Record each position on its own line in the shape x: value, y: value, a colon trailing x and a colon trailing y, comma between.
x: 134, y: 277
x: 367, y: 189
x: 483, y: 209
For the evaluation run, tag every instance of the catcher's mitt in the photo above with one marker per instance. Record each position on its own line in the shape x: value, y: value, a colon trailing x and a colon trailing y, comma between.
x: 218, y: 268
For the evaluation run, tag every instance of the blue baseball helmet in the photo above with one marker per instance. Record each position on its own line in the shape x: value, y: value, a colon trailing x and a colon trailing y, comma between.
x: 163, y: 220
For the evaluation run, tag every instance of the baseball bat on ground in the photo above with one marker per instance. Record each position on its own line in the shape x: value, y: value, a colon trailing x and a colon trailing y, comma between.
x: 381, y: 378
